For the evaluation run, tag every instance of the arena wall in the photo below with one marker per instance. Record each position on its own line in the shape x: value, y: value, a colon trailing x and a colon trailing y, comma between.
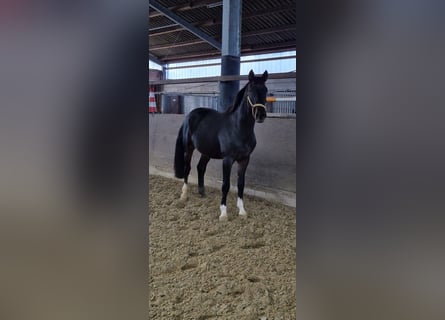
x: 210, y: 87
x: 272, y: 168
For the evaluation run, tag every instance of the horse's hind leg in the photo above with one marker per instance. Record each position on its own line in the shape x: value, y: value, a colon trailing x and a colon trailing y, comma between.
x: 202, y: 164
x: 242, y: 166
x: 187, y: 167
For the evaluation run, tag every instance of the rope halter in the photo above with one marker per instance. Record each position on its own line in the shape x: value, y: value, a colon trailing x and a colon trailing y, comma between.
x: 255, y: 105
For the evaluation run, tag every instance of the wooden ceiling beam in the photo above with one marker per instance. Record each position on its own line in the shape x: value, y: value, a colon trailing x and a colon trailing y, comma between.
x: 175, y: 45
x: 187, y: 25
x: 185, y: 7
x: 218, y: 21
x: 250, y: 49
x: 155, y: 59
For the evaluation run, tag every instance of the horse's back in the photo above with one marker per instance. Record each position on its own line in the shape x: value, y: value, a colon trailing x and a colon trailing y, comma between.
x: 203, y: 117
x: 204, y: 125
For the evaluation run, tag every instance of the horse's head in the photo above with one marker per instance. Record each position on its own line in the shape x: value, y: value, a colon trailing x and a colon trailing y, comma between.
x: 256, y: 95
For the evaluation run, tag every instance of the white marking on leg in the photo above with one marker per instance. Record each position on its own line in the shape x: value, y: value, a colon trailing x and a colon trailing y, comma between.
x: 223, y: 216
x: 240, y: 205
x: 184, y: 192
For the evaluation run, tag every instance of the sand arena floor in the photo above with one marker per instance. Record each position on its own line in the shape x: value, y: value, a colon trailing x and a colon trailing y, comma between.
x: 201, y: 268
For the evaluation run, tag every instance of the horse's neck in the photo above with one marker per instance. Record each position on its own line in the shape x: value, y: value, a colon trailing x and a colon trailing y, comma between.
x: 244, y: 118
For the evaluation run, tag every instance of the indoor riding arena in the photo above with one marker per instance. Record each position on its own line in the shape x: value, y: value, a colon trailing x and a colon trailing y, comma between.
x: 201, y: 266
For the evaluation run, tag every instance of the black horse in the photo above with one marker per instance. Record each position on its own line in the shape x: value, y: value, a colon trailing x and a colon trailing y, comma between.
x: 228, y: 136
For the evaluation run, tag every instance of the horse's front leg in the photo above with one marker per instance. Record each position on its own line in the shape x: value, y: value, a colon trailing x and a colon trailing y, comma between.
x: 242, y: 166
x: 227, y: 167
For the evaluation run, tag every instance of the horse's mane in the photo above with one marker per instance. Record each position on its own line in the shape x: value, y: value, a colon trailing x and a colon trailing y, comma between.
x: 237, y: 100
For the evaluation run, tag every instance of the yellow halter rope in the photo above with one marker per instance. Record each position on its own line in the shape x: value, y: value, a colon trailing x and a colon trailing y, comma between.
x: 255, y: 105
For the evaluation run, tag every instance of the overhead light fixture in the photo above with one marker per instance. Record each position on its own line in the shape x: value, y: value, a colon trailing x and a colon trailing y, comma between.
x: 214, y: 5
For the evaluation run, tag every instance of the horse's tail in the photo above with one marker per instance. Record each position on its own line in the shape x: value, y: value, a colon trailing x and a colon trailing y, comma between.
x: 179, y: 155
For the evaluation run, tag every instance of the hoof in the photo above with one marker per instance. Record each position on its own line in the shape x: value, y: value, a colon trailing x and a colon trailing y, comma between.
x: 243, y: 214
x: 202, y: 192
x: 223, y: 215
x: 184, y: 192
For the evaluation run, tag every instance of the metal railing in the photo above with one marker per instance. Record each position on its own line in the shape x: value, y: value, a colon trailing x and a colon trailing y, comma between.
x: 199, y: 101
x: 279, y: 103
x: 283, y: 102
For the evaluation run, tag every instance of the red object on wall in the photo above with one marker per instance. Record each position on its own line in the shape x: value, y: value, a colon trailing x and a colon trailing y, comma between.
x: 152, y: 101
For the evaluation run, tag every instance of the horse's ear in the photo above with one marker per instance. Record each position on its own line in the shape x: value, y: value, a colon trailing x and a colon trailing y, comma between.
x: 265, y: 74
x: 251, y: 75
